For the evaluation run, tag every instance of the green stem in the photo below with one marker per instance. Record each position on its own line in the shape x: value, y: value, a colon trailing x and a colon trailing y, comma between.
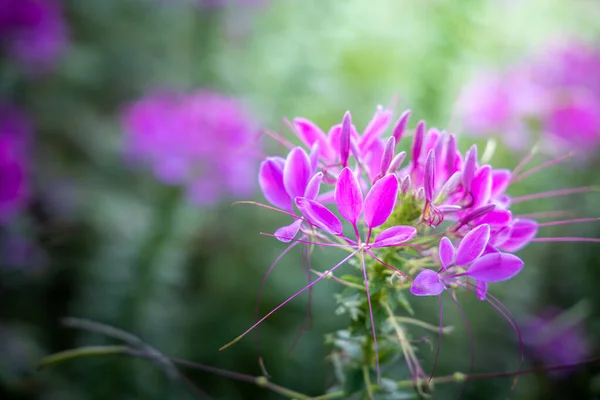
x: 89, y: 351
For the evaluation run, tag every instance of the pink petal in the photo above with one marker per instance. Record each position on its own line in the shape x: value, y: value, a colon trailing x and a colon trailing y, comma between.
x: 472, y: 245
x: 296, y: 172
x: 496, y: 218
x: 396, y: 163
x: 270, y: 179
x: 522, y: 232
x: 315, y: 153
x: 429, y: 176
x: 481, y: 289
x: 451, y: 151
x: 446, y: 252
x: 288, y: 232
x: 481, y: 186
x: 500, y: 181
x: 345, y: 138
x: 312, y: 189
x: 418, y: 143
x: 427, y: 283
x: 388, y: 155
x: 401, y: 126
x: 319, y: 216
x: 378, y: 124
x: 470, y: 167
x: 495, y: 267
x: 394, y: 236
x: 308, y: 132
x: 348, y: 196
x: 381, y: 200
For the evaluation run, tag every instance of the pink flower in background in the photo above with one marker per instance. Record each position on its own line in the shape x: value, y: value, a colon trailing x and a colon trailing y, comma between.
x: 202, y: 140
x: 555, y: 338
x: 556, y: 96
x: 14, y: 161
x: 33, y: 32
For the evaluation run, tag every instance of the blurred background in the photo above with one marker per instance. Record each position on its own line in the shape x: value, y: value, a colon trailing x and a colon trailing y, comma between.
x: 128, y: 128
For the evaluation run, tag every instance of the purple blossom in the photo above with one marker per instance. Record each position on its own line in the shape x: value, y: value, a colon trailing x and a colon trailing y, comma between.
x: 204, y: 141
x: 557, y: 93
x: 33, y: 32
x: 555, y: 340
x: 445, y: 214
x: 14, y: 161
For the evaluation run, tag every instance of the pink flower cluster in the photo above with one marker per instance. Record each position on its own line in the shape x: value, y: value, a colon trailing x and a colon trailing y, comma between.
x: 447, y: 187
x: 556, y: 96
x: 202, y: 140
x: 14, y: 161
x: 33, y: 32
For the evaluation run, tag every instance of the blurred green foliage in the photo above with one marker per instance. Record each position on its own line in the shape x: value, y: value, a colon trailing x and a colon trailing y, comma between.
x: 117, y: 239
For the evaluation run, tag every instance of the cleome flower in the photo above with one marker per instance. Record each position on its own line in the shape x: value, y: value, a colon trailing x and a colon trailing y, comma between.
x: 438, y: 221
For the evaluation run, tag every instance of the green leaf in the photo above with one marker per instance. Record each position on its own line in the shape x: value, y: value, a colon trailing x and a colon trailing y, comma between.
x: 354, y: 382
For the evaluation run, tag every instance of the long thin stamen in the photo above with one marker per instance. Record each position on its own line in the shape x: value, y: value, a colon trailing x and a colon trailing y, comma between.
x: 554, y: 193
x: 386, y: 264
x: 237, y: 339
x: 366, y: 279
x: 568, y: 221
x: 439, y: 344
x: 546, y: 214
x: 254, y: 203
x: 342, y: 246
x: 524, y: 161
x: 258, y: 298
x: 471, y: 348
x: 566, y: 239
x: 308, y: 313
x: 539, y: 168
x: 279, y: 139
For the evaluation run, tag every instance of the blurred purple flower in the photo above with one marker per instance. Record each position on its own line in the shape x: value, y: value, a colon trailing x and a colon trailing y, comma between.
x: 202, y: 140
x: 33, y: 32
x: 14, y: 161
x: 557, y: 94
x: 554, y: 340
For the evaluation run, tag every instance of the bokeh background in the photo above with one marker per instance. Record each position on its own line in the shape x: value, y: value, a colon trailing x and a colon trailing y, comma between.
x: 98, y: 234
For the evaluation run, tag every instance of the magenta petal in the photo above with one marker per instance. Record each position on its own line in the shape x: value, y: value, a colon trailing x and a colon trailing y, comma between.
x: 394, y: 236
x: 396, y: 162
x: 345, y: 138
x: 401, y: 126
x: 496, y: 218
x: 427, y: 283
x: 381, y: 200
x: 315, y: 153
x: 495, y: 267
x: 522, y: 232
x: 270, y: 179
x: 481, y: 186
x: 418, y: 143
x: 288, y: 232
x: 446, y: 252
x: 481, y: 289
x: 451, y: 151
x: 308, y: 132
x: 378, y: 124
x: 348, y: 196
x: 472, y: 245
x: 469, y: 167
x: 296, y: 172
x: 319, y: 216
x: 500, y: 181
x: 429, y: 176
x: 388, y: 155
x: 312, y: 189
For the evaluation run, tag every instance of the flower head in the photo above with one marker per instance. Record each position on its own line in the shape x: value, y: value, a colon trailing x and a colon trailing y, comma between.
x: 33, y: 32
x: 556, y: 95
x: 203, y: 140
x: 14, y: 161
x: 441, y: 220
